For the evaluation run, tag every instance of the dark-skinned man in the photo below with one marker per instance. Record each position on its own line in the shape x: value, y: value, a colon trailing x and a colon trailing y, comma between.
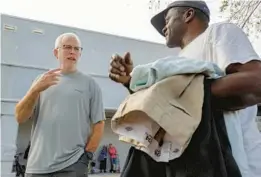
x: 185, y: 24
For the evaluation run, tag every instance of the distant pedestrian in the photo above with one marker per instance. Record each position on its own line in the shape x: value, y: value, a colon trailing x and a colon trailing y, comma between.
x: 113, y: 158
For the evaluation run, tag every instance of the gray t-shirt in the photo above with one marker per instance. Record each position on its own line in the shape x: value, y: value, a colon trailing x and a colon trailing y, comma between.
x: 62, y: 122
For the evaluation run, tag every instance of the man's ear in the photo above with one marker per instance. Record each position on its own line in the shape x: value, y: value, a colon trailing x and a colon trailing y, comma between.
x: 189, y: 15
x: 55, y: 53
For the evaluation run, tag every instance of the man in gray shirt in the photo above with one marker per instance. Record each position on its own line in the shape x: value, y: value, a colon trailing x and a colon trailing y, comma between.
x: 68, y: 116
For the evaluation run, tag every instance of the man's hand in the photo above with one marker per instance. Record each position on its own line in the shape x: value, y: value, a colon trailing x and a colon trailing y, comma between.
x: 25, y: 107
x: 46, y: 80
x: 120, y: 68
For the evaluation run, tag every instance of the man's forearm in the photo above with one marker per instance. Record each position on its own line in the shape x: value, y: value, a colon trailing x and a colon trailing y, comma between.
x: 237, y: 84
x: 236, y: 103
x: 25, y: 107
x: 96, y: 136
x: 238, y: 90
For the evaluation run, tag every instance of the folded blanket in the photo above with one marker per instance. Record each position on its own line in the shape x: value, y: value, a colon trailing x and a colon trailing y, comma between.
x: 143, y: 76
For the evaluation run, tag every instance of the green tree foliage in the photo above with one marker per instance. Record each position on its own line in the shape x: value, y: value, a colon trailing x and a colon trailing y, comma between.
x: 246, y: 14
x: 156, y: 5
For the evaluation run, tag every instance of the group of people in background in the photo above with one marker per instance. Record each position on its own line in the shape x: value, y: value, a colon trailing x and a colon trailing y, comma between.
x: 111, y: 153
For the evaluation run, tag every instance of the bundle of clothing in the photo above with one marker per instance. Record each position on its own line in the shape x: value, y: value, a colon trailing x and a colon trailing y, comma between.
x: 172, y: 124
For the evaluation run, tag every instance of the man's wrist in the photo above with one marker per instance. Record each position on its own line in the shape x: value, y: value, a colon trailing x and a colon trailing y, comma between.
x: 127, y: 86
x: 33, y: 92
x: 89, y: 150
x: 89, y: 154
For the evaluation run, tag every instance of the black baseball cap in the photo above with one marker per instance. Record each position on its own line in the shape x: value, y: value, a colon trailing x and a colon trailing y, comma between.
x: 158, y: 21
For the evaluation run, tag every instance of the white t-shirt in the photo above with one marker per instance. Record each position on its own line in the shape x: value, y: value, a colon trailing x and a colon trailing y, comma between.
x: 223, y: 44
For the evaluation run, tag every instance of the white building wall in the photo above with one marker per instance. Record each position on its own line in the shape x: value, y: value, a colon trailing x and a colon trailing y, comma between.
x: 259, y: 122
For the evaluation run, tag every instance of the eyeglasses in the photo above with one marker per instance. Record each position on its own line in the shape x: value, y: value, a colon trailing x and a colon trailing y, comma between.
x: 69, y: 48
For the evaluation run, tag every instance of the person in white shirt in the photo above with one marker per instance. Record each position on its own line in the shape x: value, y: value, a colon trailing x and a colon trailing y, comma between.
x: 185, y: 24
